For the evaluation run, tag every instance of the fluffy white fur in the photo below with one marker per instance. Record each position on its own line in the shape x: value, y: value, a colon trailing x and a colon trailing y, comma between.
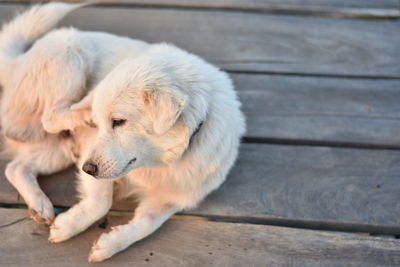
x: 42, y: 74
x: 159, y: 95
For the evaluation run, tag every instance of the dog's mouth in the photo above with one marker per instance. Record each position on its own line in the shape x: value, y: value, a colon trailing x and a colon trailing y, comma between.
x: 127, y: 167
x: 131, y: 161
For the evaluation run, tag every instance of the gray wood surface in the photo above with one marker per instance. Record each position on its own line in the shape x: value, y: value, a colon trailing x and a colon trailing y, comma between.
x: 354, y: 186
x: 302, y: 186
x: 250, y: 3
x: 342, y: 8
x: 7, y: 192
x: 311, y: 183
x: 244, y: 41
x: 355, y: 111
x: 198, y: 243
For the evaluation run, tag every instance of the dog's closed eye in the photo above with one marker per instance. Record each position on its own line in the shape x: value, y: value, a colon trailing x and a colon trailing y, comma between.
x: 117, y: 122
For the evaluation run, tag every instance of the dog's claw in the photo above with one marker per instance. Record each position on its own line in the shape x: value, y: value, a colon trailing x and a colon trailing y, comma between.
x: 96, y: 258
x: 39, y: 218
x: 62, y: 229
x: 92, y: 257
x: 116, y: 228
x: 52, y: 239
x: 102, y: 249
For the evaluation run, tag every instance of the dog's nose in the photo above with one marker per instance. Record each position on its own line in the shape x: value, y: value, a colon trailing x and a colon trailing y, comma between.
x: 90, y: 168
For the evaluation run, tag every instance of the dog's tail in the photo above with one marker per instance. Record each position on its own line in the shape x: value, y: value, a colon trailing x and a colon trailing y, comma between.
x: 17, y: 35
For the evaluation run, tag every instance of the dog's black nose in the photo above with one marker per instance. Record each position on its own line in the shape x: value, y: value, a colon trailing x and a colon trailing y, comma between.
x: 90, y: 168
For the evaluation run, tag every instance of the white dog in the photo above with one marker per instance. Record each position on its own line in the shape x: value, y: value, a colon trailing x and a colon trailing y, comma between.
x: 169, y: 128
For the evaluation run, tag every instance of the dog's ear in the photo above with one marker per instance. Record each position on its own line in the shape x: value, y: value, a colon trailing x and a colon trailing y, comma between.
x: 163, y: 108
x: 85, y: 103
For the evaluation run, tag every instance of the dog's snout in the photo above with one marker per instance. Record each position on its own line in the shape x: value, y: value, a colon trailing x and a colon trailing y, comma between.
x: 90, y: 168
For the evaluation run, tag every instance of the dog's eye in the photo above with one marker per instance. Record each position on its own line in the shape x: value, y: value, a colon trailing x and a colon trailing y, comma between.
x: 116, y: 123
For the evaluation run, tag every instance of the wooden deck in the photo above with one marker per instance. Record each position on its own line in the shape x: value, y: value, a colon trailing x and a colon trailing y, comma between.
x: 317, y: 182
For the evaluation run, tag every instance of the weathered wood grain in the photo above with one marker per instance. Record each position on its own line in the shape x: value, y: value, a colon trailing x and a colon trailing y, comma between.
x: 199, y: 243
x: 326, y: 110
x: 256, y: 42
x: 294, y: 182
x: 358, y: 111
x: 312, y: 183
x: 7, y: 192
x: 249, y: 3
x: 337, y: 8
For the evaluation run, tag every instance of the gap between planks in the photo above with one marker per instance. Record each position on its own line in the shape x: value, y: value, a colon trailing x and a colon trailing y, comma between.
x: 317, y: 143
x: 311, y: 75
x: 355, y: 228
x: 359, y: 54
x: 193, y: 243
x: 280, y: 9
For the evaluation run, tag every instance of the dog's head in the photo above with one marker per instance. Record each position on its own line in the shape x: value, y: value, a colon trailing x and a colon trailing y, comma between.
x: 138, y: 111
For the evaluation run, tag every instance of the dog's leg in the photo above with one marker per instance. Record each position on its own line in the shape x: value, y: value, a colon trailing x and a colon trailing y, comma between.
x: 149, y: 216
x: 23, y: 176
x: 67, y: 82
x: 96, y: 202
x: 31, y: 160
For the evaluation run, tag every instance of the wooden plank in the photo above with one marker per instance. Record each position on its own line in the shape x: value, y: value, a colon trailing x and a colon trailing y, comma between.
x: 311, y: 183
x: 7, y: 192
x: 245, y: 41
x: 249, y: 3
x: 200, y: 243
x: 325, y: 110
x: 267, y: 3
x: 355, y: 186
x: 332, y: 8
x: 357, y: 111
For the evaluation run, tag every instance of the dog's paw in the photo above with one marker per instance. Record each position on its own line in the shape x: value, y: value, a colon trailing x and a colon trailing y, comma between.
x: 41, y: 211
x: 83, y: 118
x: 106, y: 246
x: 50, y: 125
x: 62, y: 229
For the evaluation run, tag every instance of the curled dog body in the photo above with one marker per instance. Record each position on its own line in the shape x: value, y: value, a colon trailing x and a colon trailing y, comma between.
x: 169, y: 128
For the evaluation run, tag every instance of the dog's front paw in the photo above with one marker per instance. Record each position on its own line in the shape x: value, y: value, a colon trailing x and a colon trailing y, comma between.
x: 107, y: 245
x: 62, y: 229
x: 41, y: 211
x: 83, y: 118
